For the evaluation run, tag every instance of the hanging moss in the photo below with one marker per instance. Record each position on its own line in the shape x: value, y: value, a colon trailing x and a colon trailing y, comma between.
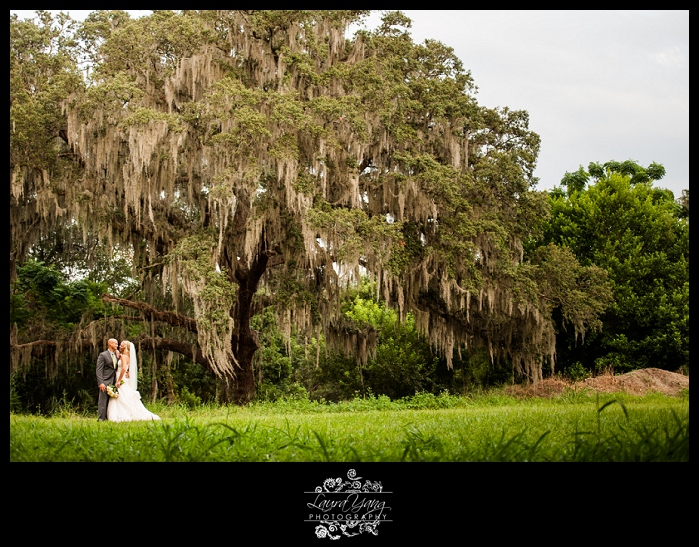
x: 269, y: 154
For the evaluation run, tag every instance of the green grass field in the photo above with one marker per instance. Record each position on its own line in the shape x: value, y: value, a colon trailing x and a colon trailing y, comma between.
x: 573, y: 427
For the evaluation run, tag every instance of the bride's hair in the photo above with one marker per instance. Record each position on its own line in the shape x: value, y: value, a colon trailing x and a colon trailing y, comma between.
x: 127, y: 346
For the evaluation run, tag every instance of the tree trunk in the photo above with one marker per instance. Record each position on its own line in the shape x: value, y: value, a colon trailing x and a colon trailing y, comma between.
x: 244, y: 385
x: 244, y: 340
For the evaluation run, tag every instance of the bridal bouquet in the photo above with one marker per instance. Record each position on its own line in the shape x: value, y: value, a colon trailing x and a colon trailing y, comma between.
x: 112, y: 391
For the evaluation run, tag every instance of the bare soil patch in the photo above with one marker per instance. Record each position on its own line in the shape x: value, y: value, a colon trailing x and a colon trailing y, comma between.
x: 637, y: 382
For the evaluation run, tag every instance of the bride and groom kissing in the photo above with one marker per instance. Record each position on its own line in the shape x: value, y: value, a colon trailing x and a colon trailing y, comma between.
x: 117, y: 373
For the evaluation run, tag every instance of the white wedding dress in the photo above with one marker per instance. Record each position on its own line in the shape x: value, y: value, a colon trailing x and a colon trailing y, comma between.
x: 127, y: 407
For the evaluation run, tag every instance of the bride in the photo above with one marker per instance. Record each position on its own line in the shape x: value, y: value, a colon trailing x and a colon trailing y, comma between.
x: 127, y: 406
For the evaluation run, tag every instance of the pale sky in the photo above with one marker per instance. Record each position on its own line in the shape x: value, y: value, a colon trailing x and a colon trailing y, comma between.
x: 598, y: 85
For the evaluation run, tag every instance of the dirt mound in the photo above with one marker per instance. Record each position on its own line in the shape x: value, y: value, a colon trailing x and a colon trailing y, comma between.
x: 637, y: 382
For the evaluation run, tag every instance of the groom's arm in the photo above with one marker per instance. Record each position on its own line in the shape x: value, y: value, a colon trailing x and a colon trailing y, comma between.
x: 100, y: 369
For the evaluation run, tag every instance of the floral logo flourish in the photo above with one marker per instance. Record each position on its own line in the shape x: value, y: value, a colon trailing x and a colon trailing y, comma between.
x: 354, y: 484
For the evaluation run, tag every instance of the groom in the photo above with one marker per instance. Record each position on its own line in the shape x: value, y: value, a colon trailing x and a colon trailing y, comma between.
x: 106, y: 375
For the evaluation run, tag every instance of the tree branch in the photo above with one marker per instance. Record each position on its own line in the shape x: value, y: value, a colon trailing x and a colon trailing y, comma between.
x: 39, y: 348
x: 191, y: 351
x: 171, y: 318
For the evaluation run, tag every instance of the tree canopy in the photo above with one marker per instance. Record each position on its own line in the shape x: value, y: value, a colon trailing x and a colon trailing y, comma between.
x: 251, y: 159
x: 612, y: 216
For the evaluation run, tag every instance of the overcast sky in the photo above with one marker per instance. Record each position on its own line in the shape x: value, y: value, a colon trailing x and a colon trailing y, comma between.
x: 598, y: 85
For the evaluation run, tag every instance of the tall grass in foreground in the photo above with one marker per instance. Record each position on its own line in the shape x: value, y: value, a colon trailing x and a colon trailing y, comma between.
x: 574, y: 428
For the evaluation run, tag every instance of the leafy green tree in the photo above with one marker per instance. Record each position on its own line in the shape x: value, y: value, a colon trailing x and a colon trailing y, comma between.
x: 399, y: 361
x: 43, y: 73
x: 683, y: 202
x: 613, y: 217
x: 403, y: 362
x: 46, y: 292
x: 46, y: 307
x: 255, y: 158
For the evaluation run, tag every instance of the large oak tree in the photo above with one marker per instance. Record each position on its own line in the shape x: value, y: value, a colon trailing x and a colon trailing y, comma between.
x: 256, y: 158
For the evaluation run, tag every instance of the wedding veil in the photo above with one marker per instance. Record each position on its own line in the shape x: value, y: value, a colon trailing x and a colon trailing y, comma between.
x: 133, y: 370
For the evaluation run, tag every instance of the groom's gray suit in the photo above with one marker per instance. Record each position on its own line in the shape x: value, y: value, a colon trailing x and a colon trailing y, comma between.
x: 106, y: 374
